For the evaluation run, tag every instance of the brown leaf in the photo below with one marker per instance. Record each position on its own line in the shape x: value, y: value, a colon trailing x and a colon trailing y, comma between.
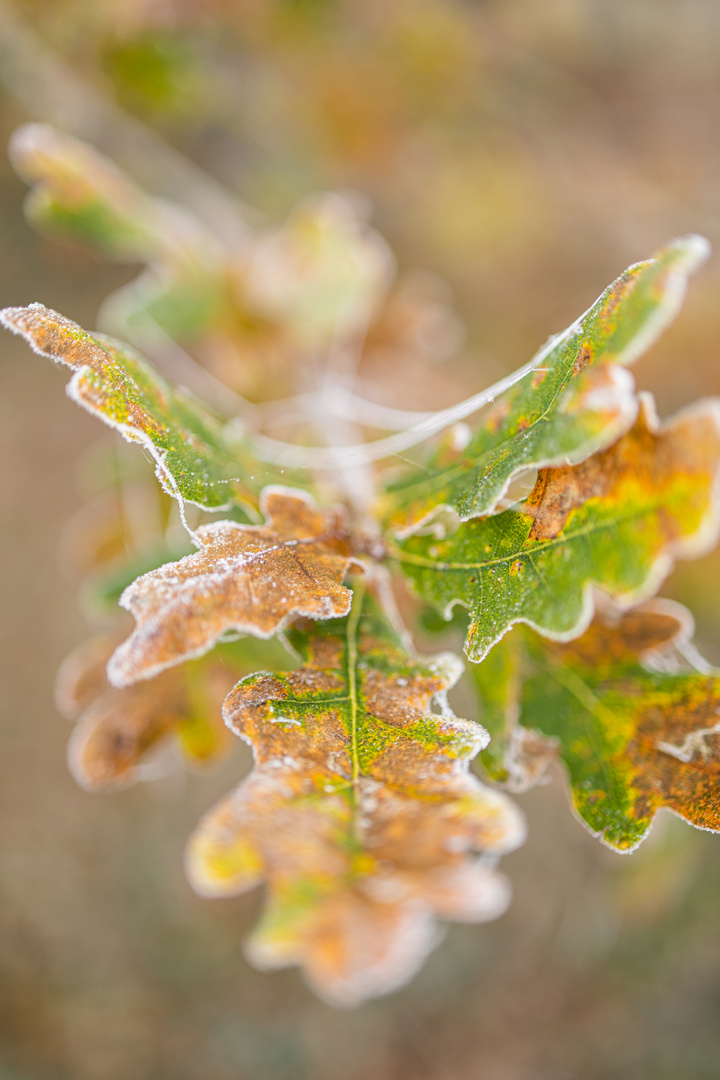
x: 118, y: 729
x: 250, y: 578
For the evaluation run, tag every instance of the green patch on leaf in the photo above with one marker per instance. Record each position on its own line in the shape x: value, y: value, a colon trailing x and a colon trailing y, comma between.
x: 634, y: 730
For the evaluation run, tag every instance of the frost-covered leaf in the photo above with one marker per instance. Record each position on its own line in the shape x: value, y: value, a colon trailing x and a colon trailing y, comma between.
x: 249, y: 578
x: 618, y: 520
x: 360, y: 814
x: 196, y: 457
x: 575, y: 399
x: 634, y: 732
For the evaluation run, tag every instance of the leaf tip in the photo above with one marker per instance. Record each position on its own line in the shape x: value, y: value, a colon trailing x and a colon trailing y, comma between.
x: 48, y: 333
x: 29, y: 141
x: 220, y: 860
x: 695, y: 248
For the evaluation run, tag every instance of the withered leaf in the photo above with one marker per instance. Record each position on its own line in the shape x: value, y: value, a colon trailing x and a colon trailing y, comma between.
x: 196, y: 456
x: 634, y: 727
x: 617, y: 521
x: 118, y: 729
x: 248, y: 578
x: 360, y: 815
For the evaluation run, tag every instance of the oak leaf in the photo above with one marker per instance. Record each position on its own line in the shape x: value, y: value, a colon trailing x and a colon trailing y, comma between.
x: 575, y: 399
x: 196, y: 456
x: 617, y: 521
x: 360, y: 814
x: 635, y: 731
x: 248, y: 578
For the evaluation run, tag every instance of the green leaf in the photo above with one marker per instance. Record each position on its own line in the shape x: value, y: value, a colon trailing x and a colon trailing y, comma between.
x: 576, y: 398
x: 80, y: 195
x: 197, y: 458
x: 360, y: 814
x: 634, y: 732
x: 617, y: 521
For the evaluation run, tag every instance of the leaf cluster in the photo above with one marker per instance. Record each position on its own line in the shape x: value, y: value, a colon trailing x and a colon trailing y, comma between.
x: 361, y: 814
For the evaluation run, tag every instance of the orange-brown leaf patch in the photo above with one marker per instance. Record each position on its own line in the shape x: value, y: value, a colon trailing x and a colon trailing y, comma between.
x: 650, y: 454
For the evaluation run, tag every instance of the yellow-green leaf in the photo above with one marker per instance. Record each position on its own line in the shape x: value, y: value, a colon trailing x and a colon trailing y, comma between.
x: 575, y: 399
x: 197, y: 457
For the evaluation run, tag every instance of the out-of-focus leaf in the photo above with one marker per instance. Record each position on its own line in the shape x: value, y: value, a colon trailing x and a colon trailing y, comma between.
x: 81, y: 195
x: 196, y: 457
x: 634, y: 732
x: 250, y: 578
x: 249, y: 310
x: 122, y: 533
x: 118, y: 731
x: 320, y: 276
x: 576, y: 399
x: 618, y: 520
x: 360, y: 814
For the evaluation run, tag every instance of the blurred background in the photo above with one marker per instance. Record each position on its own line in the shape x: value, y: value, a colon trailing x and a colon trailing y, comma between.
x: 524, y: 153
